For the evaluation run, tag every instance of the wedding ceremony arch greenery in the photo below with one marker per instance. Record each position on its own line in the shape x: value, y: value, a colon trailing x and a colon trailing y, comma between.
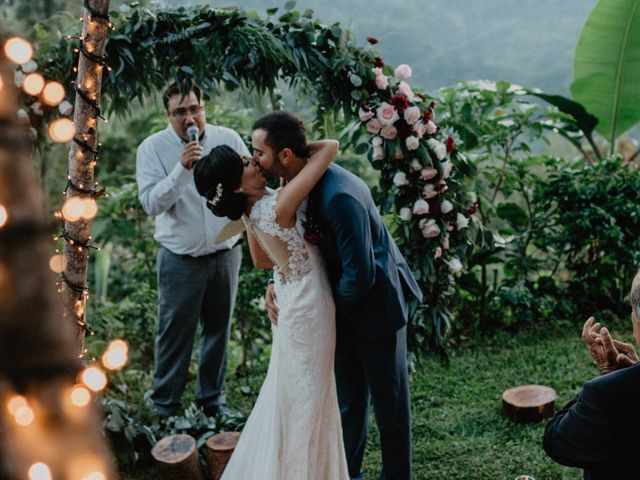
x: 422, y: 183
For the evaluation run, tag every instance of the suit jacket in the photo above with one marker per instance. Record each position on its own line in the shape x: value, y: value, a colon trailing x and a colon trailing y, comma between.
x: 370, y: 279
x: 598, y: 430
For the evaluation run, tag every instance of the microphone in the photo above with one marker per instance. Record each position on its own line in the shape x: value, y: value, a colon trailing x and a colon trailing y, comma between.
x: 192, y: 133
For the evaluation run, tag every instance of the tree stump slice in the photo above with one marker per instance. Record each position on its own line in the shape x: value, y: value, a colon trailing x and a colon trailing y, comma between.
x: 176, y: 458
x: 218, y: 451
x: 529, y: 403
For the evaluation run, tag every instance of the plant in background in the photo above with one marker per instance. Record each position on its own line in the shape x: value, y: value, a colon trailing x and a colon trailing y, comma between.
x: 424, y: 188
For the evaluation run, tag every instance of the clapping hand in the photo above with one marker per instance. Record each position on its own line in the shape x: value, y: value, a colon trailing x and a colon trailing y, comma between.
x: 609, y: 354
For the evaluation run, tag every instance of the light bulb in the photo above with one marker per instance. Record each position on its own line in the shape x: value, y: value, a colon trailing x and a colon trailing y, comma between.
x: 33, y: 84
x: 94, y: 378
x: 4, y: 216
x: 39, y: 471
x: 18, y: 50
x: 115, y: 357
x: 53, y: 93
x: 62, y: 130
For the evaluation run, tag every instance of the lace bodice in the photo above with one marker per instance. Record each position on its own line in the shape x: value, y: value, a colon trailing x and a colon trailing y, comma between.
x: 285, y: 246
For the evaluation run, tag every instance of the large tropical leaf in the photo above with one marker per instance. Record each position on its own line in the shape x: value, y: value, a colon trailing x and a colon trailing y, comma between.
x: 606, y: 68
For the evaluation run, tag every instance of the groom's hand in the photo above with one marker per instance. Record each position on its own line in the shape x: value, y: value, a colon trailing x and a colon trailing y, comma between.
x: 270, y: 304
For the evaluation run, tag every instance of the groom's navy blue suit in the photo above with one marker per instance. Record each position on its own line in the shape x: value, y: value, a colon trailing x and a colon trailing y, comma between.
x: 371, y: 285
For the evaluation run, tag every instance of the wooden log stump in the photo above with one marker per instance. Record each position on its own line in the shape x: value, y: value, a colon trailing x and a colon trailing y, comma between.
x: 218, y: 450
x: 176, y: 458
x: 529, y: 403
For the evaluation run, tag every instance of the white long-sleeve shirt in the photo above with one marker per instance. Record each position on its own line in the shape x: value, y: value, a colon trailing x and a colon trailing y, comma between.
x: 183, y: 223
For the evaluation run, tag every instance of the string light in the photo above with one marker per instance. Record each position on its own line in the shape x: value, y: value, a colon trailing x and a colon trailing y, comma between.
x: 15, y: 402
x: 115, y: 356
x: 58, y: 263
x: 80, y: 396
x: 4, y: 216
x: 39, y: 471
x: 33, y: 84
x: 53, y: 93
x: 18, y: 50
x: 62, y: 130
x: 94, y: 378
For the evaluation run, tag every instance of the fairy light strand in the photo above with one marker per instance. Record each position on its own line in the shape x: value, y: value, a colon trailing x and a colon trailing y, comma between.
x: 92, y: 192
x: 96, y: 14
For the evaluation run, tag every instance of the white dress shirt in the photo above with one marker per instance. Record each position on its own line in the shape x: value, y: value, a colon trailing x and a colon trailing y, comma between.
x: 183, y: 223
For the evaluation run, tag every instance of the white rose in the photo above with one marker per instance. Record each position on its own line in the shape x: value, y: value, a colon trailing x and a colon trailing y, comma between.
x: 420, y: 207
x: 438, y: 252
x: 400, y: 179
x: 440, y: 149
x: 461, y: 221
x: 405, y: 89
x: 405, y: 214
x: 455, y: 266
x: 378, y: 153
x: 412, y: 115
x: 376, y: 142
x: 446, y: 206
x: 446, y: 169
x: 412, y: 142
x: 416, y: 165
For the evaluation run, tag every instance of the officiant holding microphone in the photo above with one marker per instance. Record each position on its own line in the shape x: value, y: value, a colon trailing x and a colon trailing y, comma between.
x: 197, y: 278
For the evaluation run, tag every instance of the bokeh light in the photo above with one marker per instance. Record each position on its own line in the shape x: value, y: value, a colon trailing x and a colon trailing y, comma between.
x: 62, y: 130
x: 39, y: 471
x: 94, y: 378
x: 53, y: 93
x: 33, y: 84
x: 116, y: 354
x: 18, y: 50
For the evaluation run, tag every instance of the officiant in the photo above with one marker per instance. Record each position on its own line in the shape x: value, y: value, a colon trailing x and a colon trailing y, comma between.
x: 197, y: 278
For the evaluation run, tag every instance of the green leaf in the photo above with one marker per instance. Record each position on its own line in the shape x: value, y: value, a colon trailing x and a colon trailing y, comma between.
x: 355, y: 80
x: 272, y: 11
x: 512, y: 213
x: 356, y: 95
x: 606, y: 67
x: 586, y: 121
x: 290, y: 5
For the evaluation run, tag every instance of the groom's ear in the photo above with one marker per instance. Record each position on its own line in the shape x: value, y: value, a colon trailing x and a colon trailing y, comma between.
x: 285, y: 155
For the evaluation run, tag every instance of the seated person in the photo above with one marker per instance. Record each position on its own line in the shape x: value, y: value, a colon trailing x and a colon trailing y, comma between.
x: 598, y: 429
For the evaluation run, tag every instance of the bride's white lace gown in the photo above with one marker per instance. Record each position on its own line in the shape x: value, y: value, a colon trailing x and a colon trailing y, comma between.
x: 294, y: 430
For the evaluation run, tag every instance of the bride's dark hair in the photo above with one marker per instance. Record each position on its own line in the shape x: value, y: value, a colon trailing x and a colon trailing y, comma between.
x: 216, y: 176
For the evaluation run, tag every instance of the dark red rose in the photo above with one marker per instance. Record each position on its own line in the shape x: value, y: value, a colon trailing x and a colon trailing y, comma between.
x: 404, y: 129
x: 370, y: 87
x: 372, y: 40
x: 473, y: 209
x: 451, y: 144
x: 312, y: 237
x: 400, y: 102
x: 378, y: 62
x: 426, y: 115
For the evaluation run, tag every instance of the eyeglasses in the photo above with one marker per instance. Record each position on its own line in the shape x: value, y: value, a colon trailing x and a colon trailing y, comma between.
x: 181, y: 113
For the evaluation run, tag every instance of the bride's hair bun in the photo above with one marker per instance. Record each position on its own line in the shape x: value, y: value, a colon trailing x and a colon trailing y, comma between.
x: 216, y: 176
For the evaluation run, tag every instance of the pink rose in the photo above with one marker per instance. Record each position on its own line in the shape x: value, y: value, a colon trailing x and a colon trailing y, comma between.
x: 420, y: 207
x: 387, y: 114
x: 431, y: 127
x: 431, y: 229
x: 438, y: 252
x: 389, y: 132
x: 405, y: 89
x: 399, y: 155
x: 428, y: 173
x: 429, y: 191
x: 365, y: 114
x: 402, y: 72
x: 382, y: 81
x: 412, y: 115
x: 373, y: 125
x: 420, y: 128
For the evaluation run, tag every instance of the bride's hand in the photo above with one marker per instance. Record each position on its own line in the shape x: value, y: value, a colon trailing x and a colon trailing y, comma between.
x: 270, y: 304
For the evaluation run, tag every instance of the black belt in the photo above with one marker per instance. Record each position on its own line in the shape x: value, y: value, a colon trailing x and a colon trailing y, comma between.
x: 219, y: 252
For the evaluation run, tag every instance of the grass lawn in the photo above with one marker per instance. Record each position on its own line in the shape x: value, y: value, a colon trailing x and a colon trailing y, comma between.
x: 458, y: 426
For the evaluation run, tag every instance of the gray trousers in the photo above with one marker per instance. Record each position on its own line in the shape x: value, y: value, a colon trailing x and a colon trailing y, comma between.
x: 192, y: 291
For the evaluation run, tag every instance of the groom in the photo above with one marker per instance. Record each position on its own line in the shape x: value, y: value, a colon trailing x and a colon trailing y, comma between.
x: 371, y: 283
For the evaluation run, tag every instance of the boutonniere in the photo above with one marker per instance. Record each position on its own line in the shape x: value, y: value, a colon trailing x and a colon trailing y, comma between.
x: 311, y: 225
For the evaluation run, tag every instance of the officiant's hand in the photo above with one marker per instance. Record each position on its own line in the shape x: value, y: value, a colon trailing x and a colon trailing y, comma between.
x: 270, y: 304
x: 191, y: 153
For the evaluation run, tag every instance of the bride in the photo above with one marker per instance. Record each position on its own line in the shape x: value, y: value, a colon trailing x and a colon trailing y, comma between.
x: 294, y: 430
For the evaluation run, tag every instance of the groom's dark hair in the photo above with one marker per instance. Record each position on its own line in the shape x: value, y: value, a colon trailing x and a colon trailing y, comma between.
x: 284, y: 130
